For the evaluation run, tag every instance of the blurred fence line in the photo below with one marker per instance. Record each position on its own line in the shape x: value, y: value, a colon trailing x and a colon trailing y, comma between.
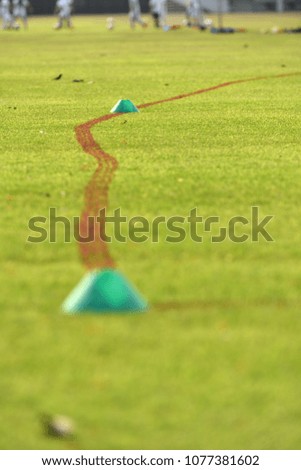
x: 45, y: 7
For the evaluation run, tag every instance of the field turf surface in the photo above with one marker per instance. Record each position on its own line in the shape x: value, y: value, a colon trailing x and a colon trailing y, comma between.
x: 215, y: 363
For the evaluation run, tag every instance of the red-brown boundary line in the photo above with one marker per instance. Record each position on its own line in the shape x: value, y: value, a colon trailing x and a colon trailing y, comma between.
x: 95, y: 254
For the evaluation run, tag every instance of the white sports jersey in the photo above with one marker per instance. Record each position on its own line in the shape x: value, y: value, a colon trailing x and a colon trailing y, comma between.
x: 64, y: 7
x: 135, y: 10
x: 4, y: 11
x: 133, y: 4
x: 194, y: 8
x: 20, y: 8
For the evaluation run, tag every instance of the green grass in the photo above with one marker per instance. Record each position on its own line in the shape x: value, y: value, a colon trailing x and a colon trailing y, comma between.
x: 215, y: 362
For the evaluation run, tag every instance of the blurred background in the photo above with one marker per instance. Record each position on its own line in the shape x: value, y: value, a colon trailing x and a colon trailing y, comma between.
x: 44, y: 7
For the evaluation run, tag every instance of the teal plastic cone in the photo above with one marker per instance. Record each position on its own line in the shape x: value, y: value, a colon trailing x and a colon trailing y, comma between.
x: 104, y: 291
x: 124, y: 106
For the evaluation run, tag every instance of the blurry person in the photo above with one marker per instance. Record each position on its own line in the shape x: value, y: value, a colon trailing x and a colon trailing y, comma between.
x: 135, y: 14
x: 194, y: 14
x: 20, y: 8
x: 64, y: 10
x: 7, y: 19
x: 158, y: 10
x: 110, y: 23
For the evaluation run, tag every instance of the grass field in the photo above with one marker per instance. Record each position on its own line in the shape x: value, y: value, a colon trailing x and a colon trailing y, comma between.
x: 215, y: 363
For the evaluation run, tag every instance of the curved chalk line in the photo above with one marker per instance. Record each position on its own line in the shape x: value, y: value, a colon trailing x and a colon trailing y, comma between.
x: 95, y: 254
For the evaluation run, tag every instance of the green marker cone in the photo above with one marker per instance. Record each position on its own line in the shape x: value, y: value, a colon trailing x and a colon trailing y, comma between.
x: 104, y: 291
x: 124, y: 106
